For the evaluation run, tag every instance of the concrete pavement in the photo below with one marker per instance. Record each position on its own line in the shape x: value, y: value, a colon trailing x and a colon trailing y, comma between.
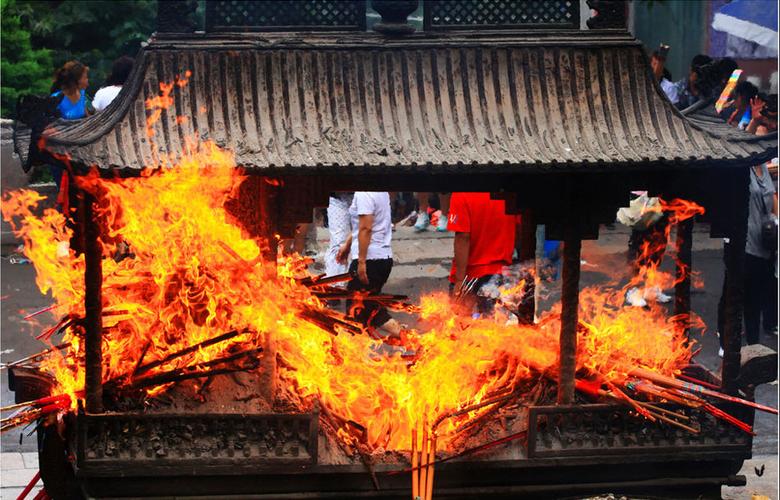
x: 765, y: 484
x: 16, y: 471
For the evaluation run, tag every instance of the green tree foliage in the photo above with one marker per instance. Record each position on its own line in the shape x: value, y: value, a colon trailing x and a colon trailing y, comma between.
x: 93, y: 32
x: 24, y: 70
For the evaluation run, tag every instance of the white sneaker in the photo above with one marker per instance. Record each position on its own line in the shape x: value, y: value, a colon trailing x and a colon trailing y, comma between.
x: 635, y: 298
x: 720, y: 352
x: 423, y: 221
x: 441, y: 226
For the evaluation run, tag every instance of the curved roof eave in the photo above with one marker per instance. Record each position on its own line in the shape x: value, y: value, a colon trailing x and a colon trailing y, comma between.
x: 356, y: 103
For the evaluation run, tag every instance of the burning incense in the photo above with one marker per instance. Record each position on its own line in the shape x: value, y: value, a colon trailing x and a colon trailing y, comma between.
x: 675, y: 423
x: 41, y: 311
x: 184, y: 283
x: 61, y: 325
x: 233, y: 253
x: 696, y: 389
x: 697, y: 381
x: 187, y: 350
x: 486, y: 446
x: 431, y: 462
x: 646, y: 410
x: 718, y: 413
x: 322, y: 280
x: 690, y: 400
x: 194, y: 371
x: 501, y: 398
x: 177, y: 376
x: 658, y: 409
x: 60, y: 398
x: 36, y: 356
x: 424, y: 462
x: 33, y: 414
x: 415, y: 473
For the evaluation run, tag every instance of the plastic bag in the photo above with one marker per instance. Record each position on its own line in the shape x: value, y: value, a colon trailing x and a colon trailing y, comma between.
x: 641, y: 213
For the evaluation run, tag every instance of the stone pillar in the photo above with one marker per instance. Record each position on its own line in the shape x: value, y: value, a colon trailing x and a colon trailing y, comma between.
x: 735, y: 264
x: 93, y: 321
x: 682, y: 290
x: 570, y: 301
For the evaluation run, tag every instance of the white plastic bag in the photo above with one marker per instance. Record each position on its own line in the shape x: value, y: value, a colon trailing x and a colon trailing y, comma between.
x: 641, y: 213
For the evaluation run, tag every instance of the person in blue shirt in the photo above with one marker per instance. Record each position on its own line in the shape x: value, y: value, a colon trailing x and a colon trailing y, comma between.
x: 70, y: 84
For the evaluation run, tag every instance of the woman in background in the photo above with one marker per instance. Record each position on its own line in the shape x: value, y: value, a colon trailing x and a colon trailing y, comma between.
x: 120, y: 70
x: 70, y: 84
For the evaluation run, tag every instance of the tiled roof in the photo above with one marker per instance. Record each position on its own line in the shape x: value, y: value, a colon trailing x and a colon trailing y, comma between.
x: 357, y: 104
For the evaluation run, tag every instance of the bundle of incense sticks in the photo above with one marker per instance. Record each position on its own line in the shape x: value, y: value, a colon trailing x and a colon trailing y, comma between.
x: 422, y: 464
x: 34, y: 358
x: 652, y: 386
x: 34, y: 410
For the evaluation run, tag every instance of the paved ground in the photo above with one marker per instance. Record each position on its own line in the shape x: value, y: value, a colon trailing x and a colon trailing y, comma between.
x: 17, y: 471
x: 421, y: 265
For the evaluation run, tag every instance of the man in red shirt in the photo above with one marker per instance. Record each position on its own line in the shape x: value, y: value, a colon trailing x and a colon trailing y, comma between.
x: 484, y: 241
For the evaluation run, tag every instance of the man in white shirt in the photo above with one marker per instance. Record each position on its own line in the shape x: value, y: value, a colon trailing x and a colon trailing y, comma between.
x: 105, y: 96
x: 372, y: 257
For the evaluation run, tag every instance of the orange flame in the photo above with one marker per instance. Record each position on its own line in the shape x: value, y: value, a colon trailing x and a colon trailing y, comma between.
x: 183, y: 286
x: 649, y: 275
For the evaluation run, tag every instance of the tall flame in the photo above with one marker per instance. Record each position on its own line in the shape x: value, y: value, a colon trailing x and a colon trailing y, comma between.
x: 182, y: 287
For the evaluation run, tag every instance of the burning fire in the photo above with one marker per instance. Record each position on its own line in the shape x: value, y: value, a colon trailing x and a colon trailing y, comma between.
x: 178, y: 270
x: 193, y: 274
x: 649, y: 276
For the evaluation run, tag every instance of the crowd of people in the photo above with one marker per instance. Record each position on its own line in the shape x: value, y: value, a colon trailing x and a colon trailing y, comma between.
x: 754, y: 113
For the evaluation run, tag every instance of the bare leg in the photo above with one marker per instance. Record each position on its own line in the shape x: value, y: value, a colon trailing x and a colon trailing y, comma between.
x: 299, y: 240
x: 422, y: 201
x: 444, y: 205
x: 444, y: 200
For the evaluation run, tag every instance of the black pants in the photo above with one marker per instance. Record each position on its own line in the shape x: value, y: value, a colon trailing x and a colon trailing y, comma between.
x: 760, y: 292
x: 369, y: 313
x: 760, y: 296
x: 655, y: 237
